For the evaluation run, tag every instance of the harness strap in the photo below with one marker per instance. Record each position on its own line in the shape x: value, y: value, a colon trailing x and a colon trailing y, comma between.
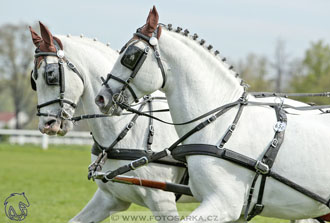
x: 181, y: 151
x: 221, y: 108
x: 151, y: 131
x: 299, y: 108
x: 157, y: 54
x: 286, y: 95
x: 133, y: 154
x: 74, y: 69
x: 56, y: 101
x: 267, y: 162
x: 232, y: 126
x: 125, y: 83
x: 126, y: 130
x: 99, y: 162
x: 184, y: 181
x: 145, y: 160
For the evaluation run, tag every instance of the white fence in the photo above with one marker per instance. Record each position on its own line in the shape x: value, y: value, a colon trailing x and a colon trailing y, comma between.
x: 35, y: 137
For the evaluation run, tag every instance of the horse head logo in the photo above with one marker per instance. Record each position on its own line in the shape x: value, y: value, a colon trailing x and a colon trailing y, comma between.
x: 16, y: 206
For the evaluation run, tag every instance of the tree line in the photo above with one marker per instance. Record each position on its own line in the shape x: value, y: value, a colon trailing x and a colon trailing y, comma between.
x: 281, y: 73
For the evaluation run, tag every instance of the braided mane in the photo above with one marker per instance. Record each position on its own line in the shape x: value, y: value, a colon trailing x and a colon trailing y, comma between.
x: 201, y: 42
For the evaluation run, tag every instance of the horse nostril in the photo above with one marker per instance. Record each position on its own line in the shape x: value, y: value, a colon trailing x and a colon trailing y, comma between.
x: 99, y: 100
x: 50, y: 122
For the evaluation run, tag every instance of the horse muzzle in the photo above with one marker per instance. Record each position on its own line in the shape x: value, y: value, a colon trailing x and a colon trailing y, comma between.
x: 52, y: 126
x: 105, y: 101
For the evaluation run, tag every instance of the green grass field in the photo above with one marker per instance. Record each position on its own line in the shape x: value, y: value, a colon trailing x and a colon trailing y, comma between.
x: 55, y: 182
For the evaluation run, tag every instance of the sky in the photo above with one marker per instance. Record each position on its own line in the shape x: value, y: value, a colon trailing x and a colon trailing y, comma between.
x: 235, y: 28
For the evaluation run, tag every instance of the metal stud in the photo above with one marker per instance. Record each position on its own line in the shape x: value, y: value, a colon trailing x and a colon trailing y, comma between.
x: 178, y: 29
x: 95, y: 39
x: 68, y: 35
x: 153, y: 41
x: 224, y: 59
x: 186, y: 32
x: 231, y: 67
x: 216, y: 52
x: 169, y: 27
x: 108, y: 44
x: 195, y: 36
x: 237, y: 75
x: 210, y: 47
x: 81, y: 35
x: 202, y: 41
x: 60, y: 54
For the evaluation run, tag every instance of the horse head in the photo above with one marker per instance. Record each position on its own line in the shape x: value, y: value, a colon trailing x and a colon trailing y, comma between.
x: 138, y: 71
x: 57, y: 81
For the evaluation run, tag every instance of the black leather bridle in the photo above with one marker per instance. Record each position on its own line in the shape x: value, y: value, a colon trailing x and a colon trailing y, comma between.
x: 133, y: 59
x: 54, y: 77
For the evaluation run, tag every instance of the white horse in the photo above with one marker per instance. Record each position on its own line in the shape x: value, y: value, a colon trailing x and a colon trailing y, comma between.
x: 197, y: 82
x: 94, y: 59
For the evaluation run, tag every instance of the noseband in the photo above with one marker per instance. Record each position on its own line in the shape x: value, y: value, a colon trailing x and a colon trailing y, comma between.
x: 54, y: 75
x: 133, y: 59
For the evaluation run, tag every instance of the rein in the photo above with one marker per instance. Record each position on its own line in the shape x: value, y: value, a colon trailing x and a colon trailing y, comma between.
x: 287, y: 95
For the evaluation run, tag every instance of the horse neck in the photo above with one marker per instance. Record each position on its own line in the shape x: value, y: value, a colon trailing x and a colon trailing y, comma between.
x: 94, y: 60
x: 198, y: 81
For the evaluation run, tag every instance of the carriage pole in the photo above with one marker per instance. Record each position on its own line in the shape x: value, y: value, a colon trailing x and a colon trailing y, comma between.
x: 166, y: 186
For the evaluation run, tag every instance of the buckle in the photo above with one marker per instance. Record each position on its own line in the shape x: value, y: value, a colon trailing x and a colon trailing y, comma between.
x: 146, y: 97
x: 146, y: 50
x: 274, y: 143
x: 157, y: 54
x: 261, y: 167
x: 211, y: 119
x: 232, y: 127
x: 99, y: 175
x: 130, y: 125
x: 151, y: 130
x: 71, y: 65
x: 137, y: 161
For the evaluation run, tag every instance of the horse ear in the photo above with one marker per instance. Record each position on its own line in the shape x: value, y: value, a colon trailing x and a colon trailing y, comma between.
x: 35, y: 37
x: 153, y: 18
x: 152, y: 22
x: 46, y: 36
x: 59, y: 42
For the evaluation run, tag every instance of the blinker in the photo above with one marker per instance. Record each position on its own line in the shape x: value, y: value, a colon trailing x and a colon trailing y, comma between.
x: 52, y: 76
x: 131, y: 57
